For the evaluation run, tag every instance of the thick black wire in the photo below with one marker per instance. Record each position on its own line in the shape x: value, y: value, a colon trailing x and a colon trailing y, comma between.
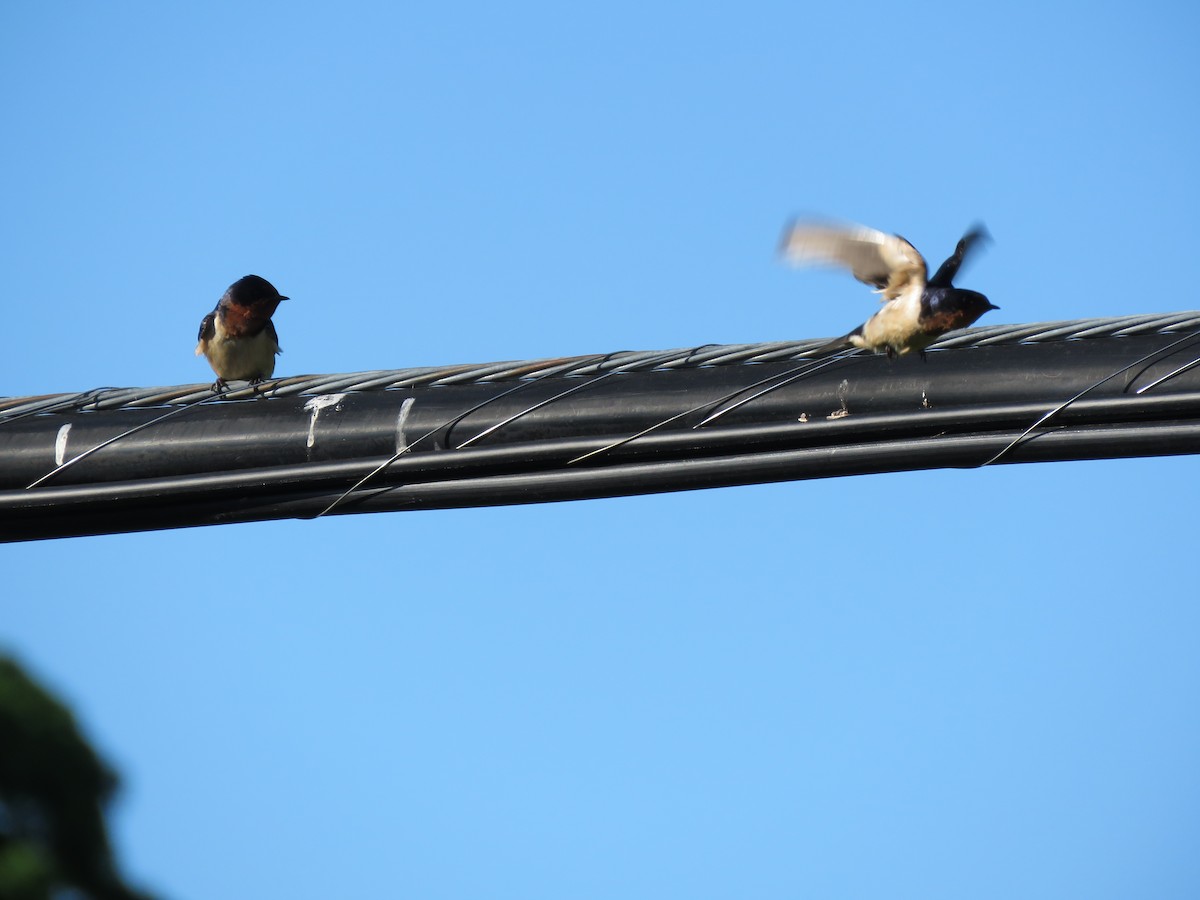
x: 1138, y: 423
x: 232, y: 497
x: 732, y: 455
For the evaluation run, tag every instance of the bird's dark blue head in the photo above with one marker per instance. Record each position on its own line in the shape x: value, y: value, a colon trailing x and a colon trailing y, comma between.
x: 947, y: 308
x: 251, y: 290
x: 247, y: 306
x: 251, y: 297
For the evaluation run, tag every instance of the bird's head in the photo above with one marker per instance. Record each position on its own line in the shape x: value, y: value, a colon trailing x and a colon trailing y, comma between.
x: 947, y: 308
x: 971, y: 305
x: 255, y: 295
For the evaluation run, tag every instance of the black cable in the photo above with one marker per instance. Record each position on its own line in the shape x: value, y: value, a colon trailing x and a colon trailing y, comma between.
x: 223, y: 499
x: 292, y: 456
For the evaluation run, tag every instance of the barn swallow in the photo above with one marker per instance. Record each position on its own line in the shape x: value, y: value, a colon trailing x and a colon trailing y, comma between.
x: 238, y: 337
x: 917, y: 310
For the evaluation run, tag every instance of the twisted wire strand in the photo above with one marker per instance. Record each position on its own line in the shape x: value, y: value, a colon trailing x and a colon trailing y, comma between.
x: 582, y: 366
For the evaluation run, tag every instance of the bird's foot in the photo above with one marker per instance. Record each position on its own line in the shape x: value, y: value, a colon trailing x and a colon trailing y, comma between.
x: 257, y: 384
x: 220, y: 386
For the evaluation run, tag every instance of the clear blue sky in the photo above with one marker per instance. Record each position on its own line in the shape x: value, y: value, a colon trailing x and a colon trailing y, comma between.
x: 937, y: 685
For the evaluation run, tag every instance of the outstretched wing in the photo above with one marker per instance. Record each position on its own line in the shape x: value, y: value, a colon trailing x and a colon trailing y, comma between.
x: 972, y: 239
x: 886, y: 261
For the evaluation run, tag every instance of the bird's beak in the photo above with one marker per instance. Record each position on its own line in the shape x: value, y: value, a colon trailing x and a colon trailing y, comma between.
x: 285, y: 298
x: 992, y: 305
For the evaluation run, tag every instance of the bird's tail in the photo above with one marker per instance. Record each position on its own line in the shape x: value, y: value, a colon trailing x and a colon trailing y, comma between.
x: 845, y: 342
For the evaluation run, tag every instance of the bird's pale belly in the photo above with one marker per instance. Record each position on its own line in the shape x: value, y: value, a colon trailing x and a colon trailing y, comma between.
x: 896, y: 325
x: 242, y: 358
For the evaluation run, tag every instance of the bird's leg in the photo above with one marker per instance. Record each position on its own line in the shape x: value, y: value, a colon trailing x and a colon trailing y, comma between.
x: 220, y: 385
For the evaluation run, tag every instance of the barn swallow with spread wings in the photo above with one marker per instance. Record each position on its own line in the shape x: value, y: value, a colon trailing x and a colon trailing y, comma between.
x: 238, y: 338
x: 917, y: 309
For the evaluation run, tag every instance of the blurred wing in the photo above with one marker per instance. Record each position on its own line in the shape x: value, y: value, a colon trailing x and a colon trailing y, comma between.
x: 886, y: 261
x: 976, y: 237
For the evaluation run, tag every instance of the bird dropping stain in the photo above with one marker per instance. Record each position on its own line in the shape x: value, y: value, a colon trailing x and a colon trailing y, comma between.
x: 314, y: 407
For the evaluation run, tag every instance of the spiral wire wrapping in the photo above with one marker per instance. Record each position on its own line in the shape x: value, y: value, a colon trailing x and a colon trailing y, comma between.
x: 593, y: 426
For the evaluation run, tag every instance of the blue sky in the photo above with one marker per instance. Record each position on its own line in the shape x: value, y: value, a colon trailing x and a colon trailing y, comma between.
x: 939, y: 684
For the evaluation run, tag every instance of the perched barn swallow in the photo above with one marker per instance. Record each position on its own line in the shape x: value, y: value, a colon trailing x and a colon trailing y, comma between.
x: 238, y: 337
x: 917, y: 310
